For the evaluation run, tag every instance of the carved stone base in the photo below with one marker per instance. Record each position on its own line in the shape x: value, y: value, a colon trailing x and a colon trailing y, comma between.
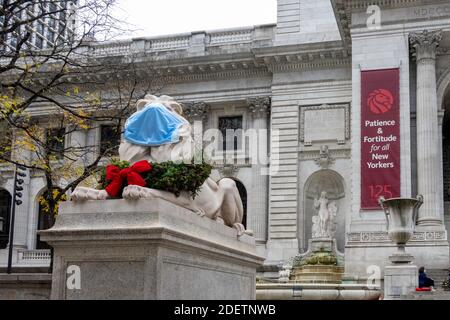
x: 317, y: 274
x: 322, y: 263
x: 148, y: 249
x: 400, y: 280
x: 322, y: 245
x: 401, y: 258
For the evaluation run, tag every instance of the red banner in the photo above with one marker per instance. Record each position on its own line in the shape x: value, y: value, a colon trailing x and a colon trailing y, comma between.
x: 380, y: 136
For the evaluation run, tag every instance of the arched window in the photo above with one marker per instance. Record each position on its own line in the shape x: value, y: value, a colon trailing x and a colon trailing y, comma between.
x: 45, y: 221
x: 5, y: 212
x: 243, y: 194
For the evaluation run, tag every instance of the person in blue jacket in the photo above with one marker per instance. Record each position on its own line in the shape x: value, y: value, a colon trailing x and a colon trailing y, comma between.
x: 424, y: 281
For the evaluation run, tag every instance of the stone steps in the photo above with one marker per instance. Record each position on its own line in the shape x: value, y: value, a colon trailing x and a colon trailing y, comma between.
x: 438, y: 275
x: 433, y: 295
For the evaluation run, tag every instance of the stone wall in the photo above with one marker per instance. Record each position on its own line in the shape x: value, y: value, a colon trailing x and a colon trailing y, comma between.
x: 25, y: 286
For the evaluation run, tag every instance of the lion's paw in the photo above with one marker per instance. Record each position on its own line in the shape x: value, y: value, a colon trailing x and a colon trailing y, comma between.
x: 84, y: 194
x: 135, y: 192
x: 240, y: 228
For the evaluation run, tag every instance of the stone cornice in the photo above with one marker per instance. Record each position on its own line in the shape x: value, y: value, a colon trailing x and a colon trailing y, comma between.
x: 259, y: 63
x: 343, y: 10
x: 361, y: 5
x: 304, y: 56
x: 343, y: 19
x: 219, y: 61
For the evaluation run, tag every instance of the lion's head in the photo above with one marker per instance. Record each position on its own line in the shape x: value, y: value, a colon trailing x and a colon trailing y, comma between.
x: 167, y: 101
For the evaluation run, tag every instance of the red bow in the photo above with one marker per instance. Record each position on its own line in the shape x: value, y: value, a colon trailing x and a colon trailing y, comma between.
x: 131, y: 174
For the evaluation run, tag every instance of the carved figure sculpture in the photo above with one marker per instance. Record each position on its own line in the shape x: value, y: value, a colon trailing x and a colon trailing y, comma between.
x: 172, y: 142
x: 323, y: 223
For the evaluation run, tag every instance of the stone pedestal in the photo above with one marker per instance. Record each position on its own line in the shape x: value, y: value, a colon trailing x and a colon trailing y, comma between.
x: 400, y: 280
x: 148, y: 249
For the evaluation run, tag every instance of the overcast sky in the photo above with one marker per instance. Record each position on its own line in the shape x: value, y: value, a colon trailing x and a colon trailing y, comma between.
x: 162, y: 17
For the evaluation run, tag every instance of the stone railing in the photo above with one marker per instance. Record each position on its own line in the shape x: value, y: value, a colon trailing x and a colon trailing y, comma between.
x: 184, y: 41
x: 34, y: 256
x: 112, y: 49
x: 175, y: 42
x: 170, y: 43
x: 232, y: 36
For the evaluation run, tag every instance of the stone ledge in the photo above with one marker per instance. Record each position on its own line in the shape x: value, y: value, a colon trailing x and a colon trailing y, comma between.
x: 319, y: 291
x: 28, y: 278
x: 146, y: 220
x: 25, y: 286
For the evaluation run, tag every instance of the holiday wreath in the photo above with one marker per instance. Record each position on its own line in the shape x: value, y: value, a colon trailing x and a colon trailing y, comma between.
x: 167, y: 176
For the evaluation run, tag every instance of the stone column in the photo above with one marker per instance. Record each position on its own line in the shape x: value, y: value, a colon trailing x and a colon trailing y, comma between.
x: 259, y: 108
x: 424, y: 45
x: 196, y: 113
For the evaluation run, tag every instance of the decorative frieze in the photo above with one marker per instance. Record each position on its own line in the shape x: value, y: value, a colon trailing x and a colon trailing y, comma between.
x: 333, y: 153
x: 383, y: 237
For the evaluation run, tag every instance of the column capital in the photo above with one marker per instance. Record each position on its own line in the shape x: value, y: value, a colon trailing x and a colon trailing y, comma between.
x: 424, y: 44
x: 259, y: 106
x: 196, y: 110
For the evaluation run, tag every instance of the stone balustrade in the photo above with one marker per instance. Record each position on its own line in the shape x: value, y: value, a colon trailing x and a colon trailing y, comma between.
x: 33, y: 257
x: 112, y: 49
x: 232, y: 36
x: 184, y: 41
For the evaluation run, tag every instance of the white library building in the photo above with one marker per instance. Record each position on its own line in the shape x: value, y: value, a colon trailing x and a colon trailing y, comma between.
x: 353, y: 96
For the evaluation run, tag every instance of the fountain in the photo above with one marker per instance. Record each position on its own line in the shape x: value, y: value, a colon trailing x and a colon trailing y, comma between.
x: 317, y: 274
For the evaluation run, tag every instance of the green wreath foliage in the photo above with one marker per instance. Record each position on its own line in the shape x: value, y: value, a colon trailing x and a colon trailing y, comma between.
x: 169, y: 176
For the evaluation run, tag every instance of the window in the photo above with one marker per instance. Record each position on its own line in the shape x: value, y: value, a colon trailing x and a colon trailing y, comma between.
x: 61, y: 29
x: 55, y: 142
x: 231, y: 133
x: 40, y: 28
x: 13, y: 41
x: 53, y: 12
x: 50, y: 36
x: 109, y: 140
x: 5, y: 211
x: 39, y: 42
x: 62, y: 15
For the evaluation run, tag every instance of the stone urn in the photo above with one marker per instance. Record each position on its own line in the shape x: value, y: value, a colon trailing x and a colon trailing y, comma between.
x: 401, y: 217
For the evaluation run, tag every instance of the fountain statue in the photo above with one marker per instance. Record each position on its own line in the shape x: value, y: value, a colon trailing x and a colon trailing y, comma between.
x: 324, y: 225
x: 317, y: 274
x: 322, y: 263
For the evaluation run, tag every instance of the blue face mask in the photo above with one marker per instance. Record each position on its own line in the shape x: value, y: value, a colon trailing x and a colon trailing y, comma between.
x: 154, y: 125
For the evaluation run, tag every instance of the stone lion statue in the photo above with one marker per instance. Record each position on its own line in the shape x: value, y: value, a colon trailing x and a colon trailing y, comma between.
x: 157, y: 132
